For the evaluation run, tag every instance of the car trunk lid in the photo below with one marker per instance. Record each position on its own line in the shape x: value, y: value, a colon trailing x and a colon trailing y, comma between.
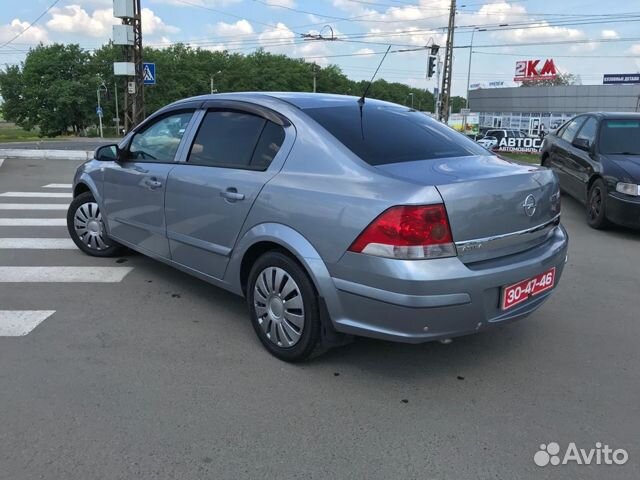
x: 496, y: 207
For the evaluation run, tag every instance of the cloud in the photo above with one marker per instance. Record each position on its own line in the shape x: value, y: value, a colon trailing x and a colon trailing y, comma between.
x: 609, y: 34
x: 196, y: 3
x: 635, y: 49
x: 280, y: 37
x: 365, y: 52
x: 281, y: 3
x: 35, y: 34
x: 223, y: 29
x: 76, y: 20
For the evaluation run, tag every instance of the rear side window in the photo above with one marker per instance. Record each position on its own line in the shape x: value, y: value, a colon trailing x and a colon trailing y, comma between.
x: 268, y: 146
x: 498, y: 134
x: 387, y: 134
x: 226, y: 139
x: 571, y: 129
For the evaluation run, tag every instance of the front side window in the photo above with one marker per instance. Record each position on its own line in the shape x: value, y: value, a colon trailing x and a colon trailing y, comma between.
x: 588, y: 131
x: 572, y: 127
x: 381, y: 134
x: 227, y: 139
x: 159, y: 142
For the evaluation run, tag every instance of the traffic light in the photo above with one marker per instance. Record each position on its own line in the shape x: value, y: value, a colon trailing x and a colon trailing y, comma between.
x: 434, y: 49
x: 431, y: 66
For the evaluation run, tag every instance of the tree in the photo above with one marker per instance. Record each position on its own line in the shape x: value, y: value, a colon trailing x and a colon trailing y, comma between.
x: 52, y: 91
x: 560, y: 79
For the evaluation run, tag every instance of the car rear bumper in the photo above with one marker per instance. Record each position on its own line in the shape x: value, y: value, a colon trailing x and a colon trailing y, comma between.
x: 623, y: 211
x: 420, y: 301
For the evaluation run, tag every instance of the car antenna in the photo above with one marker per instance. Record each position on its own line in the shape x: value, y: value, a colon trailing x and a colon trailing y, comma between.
x: 366, y: 90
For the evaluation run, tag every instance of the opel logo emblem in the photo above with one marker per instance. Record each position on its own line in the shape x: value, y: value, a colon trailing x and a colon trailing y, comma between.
x: 529, y: 205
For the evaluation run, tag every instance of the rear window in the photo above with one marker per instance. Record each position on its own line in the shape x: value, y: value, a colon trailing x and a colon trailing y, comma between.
x: 383, y: 134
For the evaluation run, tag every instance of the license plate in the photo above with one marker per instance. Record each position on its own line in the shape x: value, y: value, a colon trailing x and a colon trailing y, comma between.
x: 519, y: 292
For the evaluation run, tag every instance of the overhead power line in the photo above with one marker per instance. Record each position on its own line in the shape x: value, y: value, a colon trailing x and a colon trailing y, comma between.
x: 31, y: 24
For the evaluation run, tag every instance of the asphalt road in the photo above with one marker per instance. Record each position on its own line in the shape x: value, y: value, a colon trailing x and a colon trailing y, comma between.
x: 61, y: 144
x: 160, y: 375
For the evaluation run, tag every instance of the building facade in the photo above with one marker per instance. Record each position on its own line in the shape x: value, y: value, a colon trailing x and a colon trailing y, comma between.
x: 527, y: 108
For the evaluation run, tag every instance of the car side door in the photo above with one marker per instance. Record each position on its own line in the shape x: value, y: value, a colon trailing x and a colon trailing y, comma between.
x: 580, y: 163
x: 134, y: 185
x: 560, y: 150
x: 237, y: 149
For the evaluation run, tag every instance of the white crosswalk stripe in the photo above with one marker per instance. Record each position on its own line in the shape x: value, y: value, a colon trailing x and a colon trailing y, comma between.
x: 33, y: 222
x: 36, y: 194
x: 37, y: 243
x: 63, y: 274
x: 17, y: 323
x: 33, y: 206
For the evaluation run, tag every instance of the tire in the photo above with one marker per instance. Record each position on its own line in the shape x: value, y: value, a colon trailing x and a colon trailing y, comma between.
x: 86, y: 228
x: 289, y: 332
x: 597, y: 206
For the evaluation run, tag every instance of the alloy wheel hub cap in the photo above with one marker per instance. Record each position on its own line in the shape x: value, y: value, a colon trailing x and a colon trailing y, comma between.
x: 277, y: 301
x: 88, y: 225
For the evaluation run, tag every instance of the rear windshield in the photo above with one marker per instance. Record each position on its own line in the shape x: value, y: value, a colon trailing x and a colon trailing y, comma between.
x: 620, y: 136
x: 388, y: 134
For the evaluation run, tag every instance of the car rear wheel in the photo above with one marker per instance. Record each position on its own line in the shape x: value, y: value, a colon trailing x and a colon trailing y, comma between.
x: 597, y: 206
x: 86, y: 228
x: 283, y: 306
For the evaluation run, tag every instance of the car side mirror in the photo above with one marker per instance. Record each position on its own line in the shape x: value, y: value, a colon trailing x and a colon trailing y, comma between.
x: 582, y: 144
x: 107, y: 153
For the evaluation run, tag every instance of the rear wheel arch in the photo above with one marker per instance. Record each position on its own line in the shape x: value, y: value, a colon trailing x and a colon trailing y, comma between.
x: 255, y: 251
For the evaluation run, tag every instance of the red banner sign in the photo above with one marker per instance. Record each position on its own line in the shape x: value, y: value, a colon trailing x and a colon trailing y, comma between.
x: 533, y: 70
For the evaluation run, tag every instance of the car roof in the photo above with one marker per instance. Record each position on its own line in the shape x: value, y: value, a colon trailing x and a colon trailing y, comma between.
x: 616, y: 115
x: 301, y: 100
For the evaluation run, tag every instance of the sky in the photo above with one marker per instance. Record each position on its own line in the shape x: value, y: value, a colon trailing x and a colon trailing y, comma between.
x: 584, y: 37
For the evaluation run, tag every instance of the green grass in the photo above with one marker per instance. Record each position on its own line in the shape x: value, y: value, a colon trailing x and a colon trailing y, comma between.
x: 522, y: 157
x: 10, y: 133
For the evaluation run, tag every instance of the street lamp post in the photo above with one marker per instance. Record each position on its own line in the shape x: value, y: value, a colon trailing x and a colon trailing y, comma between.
x: 101, y: 87
x: 211, y: 80
x: 470, y: 56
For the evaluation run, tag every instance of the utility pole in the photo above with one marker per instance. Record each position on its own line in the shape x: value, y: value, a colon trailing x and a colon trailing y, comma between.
x: 448, y: 63
x: 99, y: 109
x: 470, y: 56
x: 314, y: 77
x: 134, y: 88
x: 115, y: 94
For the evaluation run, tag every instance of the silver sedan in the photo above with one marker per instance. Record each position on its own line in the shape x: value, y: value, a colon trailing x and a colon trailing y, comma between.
x: 333, y: 216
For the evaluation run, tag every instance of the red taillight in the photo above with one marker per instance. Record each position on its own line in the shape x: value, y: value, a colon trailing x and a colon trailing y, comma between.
x: 408, y: 232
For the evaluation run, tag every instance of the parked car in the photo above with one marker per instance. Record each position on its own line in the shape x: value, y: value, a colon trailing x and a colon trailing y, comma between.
x: 597, y: 159
x: 493, y: 137
x: 333, y: 216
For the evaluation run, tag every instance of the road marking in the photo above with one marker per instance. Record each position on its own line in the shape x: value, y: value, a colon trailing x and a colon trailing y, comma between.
x: 34, y: 206
x: 1, y: 161
x: 37, y: 243
x: 33, y: 222
x: 58, y: 185
x: 36, y: 195
x: 63, y: 274
x: 17, y: 323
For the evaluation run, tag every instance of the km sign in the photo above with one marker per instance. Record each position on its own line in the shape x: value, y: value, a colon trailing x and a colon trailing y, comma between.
x: 531, y: 70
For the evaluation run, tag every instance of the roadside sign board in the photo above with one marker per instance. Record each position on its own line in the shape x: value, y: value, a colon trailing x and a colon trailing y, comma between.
x: 620, y: 78
x: 149, y: 73
x: 99, y: 111
x: 465, y: 111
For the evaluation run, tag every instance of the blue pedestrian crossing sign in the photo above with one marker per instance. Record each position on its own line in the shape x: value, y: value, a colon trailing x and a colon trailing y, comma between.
x: 149, y: 73
x: 99, y: 111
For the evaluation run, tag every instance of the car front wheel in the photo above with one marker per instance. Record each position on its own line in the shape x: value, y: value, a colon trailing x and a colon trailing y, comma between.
x: 597, y: 206
x: 283, y: 305
x: 86, y: 228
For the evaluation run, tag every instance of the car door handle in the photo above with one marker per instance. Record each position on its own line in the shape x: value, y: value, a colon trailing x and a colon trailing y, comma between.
x: 232, y: 194
x: 152, y: 183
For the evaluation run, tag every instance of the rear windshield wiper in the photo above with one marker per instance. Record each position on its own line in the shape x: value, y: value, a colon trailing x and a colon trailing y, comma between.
x: 625, y: 153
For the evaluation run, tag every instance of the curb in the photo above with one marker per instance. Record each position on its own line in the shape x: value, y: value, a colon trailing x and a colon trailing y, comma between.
x: 47, y: 154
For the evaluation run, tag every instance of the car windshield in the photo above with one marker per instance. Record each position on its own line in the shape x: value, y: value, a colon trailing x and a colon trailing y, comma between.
x: 620, y: 137
x: 387, y: 134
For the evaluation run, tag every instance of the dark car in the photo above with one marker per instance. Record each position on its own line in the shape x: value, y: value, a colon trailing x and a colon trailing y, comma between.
x: 597, y: 159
